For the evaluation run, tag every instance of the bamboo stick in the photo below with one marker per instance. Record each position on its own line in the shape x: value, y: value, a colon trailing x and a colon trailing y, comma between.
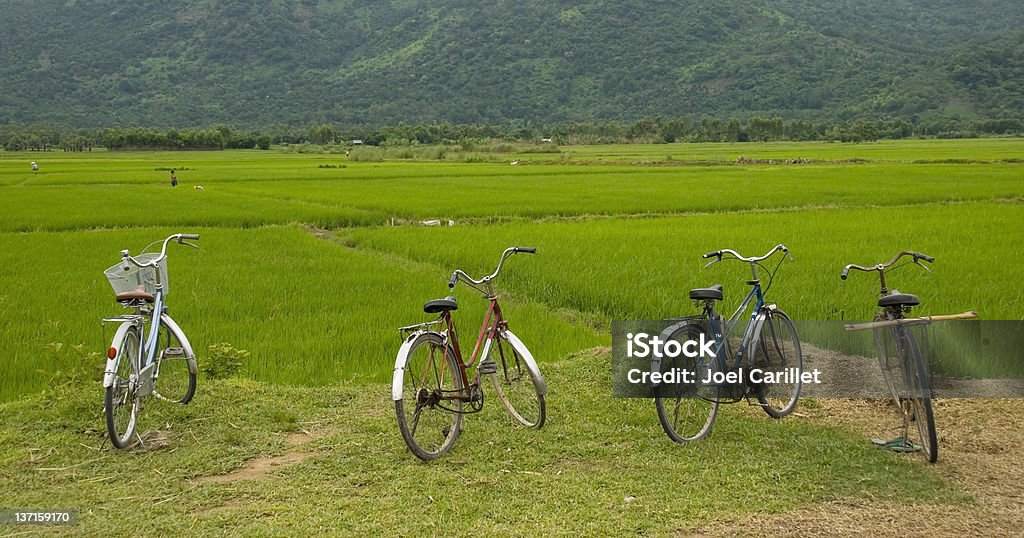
x: 907, y: 321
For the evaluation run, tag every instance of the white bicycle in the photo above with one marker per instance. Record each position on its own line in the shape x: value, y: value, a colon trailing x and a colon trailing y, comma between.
x: 133, y: 365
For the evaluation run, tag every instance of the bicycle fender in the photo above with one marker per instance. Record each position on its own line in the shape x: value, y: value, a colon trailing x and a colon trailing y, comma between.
x: 110, y: 371
x: 183, y: 340
x: 531, y: 363
x: 399, y: 372
x: 664, y: 336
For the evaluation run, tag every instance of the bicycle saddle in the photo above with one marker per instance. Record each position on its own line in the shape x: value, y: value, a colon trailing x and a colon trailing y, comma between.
x: 138, y: 293
x: 441, y: 305
x: 899, y: 299
x: 714, y: 292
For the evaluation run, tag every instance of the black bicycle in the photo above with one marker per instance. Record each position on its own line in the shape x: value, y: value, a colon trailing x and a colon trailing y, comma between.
x: 768, y: 350
x: 906, y: 372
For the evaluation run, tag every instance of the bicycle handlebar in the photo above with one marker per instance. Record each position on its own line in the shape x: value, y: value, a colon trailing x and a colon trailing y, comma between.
x: 459, y: 273
x: 883, y: 266
x: 754, y: 259
x: 180, y: 238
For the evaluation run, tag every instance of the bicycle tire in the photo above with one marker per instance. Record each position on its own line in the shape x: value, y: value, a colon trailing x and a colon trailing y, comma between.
x: 777, y: 349
x: 428, y: 370
x: 920, y: 396
x: 122, y: 396
x: 517, y: 383
x: 176, y: 373
x: 687, y: 411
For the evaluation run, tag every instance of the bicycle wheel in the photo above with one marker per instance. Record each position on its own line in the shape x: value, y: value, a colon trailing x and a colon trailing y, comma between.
x: 121, y: 399
x: 919, y: 404
x: 176, y: 367
x: 687, y: 411
x: 429, y: 375
x: 890, y: 360
x: 516, y: 382
x: 777, y: 349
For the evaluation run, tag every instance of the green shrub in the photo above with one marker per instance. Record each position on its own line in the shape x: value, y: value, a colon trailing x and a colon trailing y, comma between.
x: 224, y: 361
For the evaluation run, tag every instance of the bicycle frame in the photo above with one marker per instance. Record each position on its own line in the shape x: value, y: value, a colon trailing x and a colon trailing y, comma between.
x: 146, y: 358
x: 724, y: 330
x: 493, y: 322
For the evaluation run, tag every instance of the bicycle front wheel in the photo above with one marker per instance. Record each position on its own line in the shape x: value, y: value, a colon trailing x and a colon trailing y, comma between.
x: 777, y: 351
x: 687, y: 411
x: 430, y: 409
x: 176, y: 364
x: 121, y: 399
x: 518, y: 383
x: 919, y: 405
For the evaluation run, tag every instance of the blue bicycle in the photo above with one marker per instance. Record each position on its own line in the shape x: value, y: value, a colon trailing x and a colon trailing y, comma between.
x: 763, y: 366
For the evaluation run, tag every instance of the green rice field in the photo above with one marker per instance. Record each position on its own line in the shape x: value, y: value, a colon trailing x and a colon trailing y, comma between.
x: 311, y: 261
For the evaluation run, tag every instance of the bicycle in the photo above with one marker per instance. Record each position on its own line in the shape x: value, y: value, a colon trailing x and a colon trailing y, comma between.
x: 906, y: 373
x: 430, y: 386
x: 133, y: 367
x: 687, y: 411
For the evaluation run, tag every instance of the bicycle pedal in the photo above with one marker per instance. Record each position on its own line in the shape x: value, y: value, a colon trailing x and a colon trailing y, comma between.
x: 174, y: 352
x: 488, y: 367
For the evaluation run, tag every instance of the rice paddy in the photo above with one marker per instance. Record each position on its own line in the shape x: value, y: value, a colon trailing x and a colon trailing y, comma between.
x: 311, y: 261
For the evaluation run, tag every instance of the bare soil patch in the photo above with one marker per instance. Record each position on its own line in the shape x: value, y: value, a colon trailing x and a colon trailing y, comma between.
x: 262, y: 467
x: 981, y: 452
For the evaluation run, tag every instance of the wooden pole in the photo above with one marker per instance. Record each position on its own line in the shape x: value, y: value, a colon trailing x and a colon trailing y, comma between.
x: 907, y: 321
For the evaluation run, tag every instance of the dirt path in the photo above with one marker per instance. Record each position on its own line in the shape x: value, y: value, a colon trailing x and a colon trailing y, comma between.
x: 261, y: 468
x: 981, y: 452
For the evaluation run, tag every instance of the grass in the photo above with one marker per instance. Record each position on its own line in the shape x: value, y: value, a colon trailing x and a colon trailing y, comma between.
x: 642, y: 268
x: 309, y: 310
x: 599, y: 466
x: 620, y: 231
x: 538, y: 192
x: 316, y: 311
x: 243, y: 189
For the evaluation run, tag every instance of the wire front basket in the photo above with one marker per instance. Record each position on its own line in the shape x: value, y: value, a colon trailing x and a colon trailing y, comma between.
x: 126, y: 276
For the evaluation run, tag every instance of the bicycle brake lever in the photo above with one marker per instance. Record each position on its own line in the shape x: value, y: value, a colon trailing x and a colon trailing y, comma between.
x: 712, y: 262
x: 923, y: 266
x: 180, y: 242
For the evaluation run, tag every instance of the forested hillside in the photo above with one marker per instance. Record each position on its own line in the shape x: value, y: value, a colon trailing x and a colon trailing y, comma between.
x: 95, y: 63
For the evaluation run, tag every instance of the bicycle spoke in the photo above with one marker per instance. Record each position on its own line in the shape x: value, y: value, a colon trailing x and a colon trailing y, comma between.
x: 684, y: 413
x: 778, y: 349
x: 428, y: 427
x: 515, y: 385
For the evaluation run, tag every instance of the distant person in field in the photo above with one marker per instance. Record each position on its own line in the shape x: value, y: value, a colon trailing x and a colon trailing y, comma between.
x: 35, y: 167
x: 174, y: 179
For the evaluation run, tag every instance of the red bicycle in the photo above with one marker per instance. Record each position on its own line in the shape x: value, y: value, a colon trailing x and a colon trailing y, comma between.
x: 430, y: 385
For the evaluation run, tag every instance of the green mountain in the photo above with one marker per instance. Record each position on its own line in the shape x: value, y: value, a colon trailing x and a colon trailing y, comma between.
x: 184, y: 63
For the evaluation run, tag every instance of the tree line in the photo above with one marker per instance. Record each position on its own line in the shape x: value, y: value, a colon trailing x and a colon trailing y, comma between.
x: 645, y: 130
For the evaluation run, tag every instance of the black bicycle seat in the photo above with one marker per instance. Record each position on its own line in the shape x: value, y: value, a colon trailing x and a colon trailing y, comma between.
x: 899, y: 299
x: 714, y: 293
x: 441, y: 305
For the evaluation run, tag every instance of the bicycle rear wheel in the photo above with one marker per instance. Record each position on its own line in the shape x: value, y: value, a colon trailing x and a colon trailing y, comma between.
x: 919, y: 404
x: 687, y: 411
x: 777, y: 350
x: 176, y: 366
x: 121, y: 400
x: 516, y: 383
x: 429, y: 375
